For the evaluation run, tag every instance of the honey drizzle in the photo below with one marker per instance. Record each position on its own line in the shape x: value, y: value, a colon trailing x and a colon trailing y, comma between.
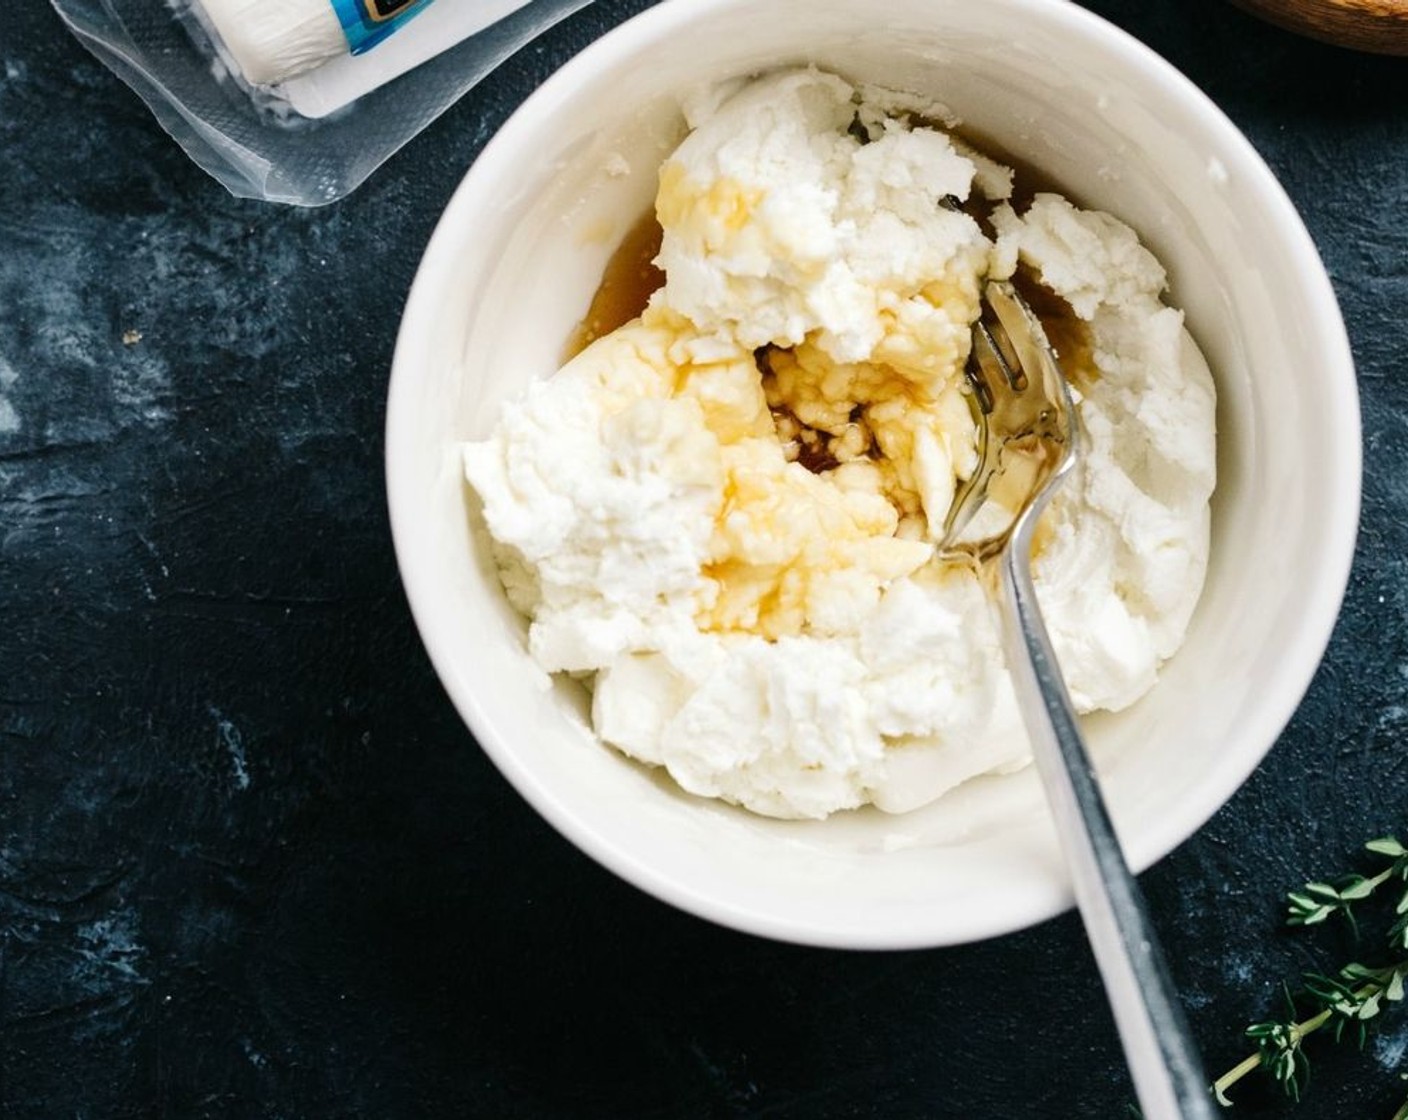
x: 627, y: 283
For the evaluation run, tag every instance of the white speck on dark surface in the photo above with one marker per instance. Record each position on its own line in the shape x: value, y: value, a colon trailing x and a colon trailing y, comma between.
x: 9, y: 418
x: 109, y: 951
x: 256, y: 1059
x: 228, y: 737
x: 1390, y: 1048
x: 1240, y: 971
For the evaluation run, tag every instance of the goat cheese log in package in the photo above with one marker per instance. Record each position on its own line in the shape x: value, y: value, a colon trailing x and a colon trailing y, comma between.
x: 298, y: 101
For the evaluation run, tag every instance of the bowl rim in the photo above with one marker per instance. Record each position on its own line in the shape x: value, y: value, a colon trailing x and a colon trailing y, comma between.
x: 1320, y: 599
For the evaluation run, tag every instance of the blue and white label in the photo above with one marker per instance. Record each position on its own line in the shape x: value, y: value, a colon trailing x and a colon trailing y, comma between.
x: 368, y: 22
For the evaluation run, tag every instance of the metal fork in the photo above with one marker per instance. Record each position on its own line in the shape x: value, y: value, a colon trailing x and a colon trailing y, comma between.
x: 1028, y: 442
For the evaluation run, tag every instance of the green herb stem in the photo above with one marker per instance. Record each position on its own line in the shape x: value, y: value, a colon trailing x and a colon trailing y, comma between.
x: 1253, y: 1062
x: 1235, y: 1074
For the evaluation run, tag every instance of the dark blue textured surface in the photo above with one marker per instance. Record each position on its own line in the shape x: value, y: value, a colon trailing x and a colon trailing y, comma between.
x: 251, y: 864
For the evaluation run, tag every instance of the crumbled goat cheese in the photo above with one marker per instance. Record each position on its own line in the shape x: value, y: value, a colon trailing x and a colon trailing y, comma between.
x: 722, y: 514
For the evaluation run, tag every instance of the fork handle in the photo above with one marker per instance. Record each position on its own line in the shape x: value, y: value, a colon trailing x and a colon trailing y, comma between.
x: 1158, y: 1047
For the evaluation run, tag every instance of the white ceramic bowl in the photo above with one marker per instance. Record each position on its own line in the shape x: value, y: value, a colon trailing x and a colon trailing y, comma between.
x: 511, y: 269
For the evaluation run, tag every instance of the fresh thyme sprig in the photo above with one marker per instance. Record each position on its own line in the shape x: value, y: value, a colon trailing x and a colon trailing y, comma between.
x: 1315, y: 902
x: 1349, y: 1001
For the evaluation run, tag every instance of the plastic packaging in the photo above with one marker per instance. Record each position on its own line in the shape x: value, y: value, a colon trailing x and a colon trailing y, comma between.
x: 321, y: 118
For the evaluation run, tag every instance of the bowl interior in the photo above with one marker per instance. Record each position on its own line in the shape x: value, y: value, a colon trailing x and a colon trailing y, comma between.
x: 512, y: 268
